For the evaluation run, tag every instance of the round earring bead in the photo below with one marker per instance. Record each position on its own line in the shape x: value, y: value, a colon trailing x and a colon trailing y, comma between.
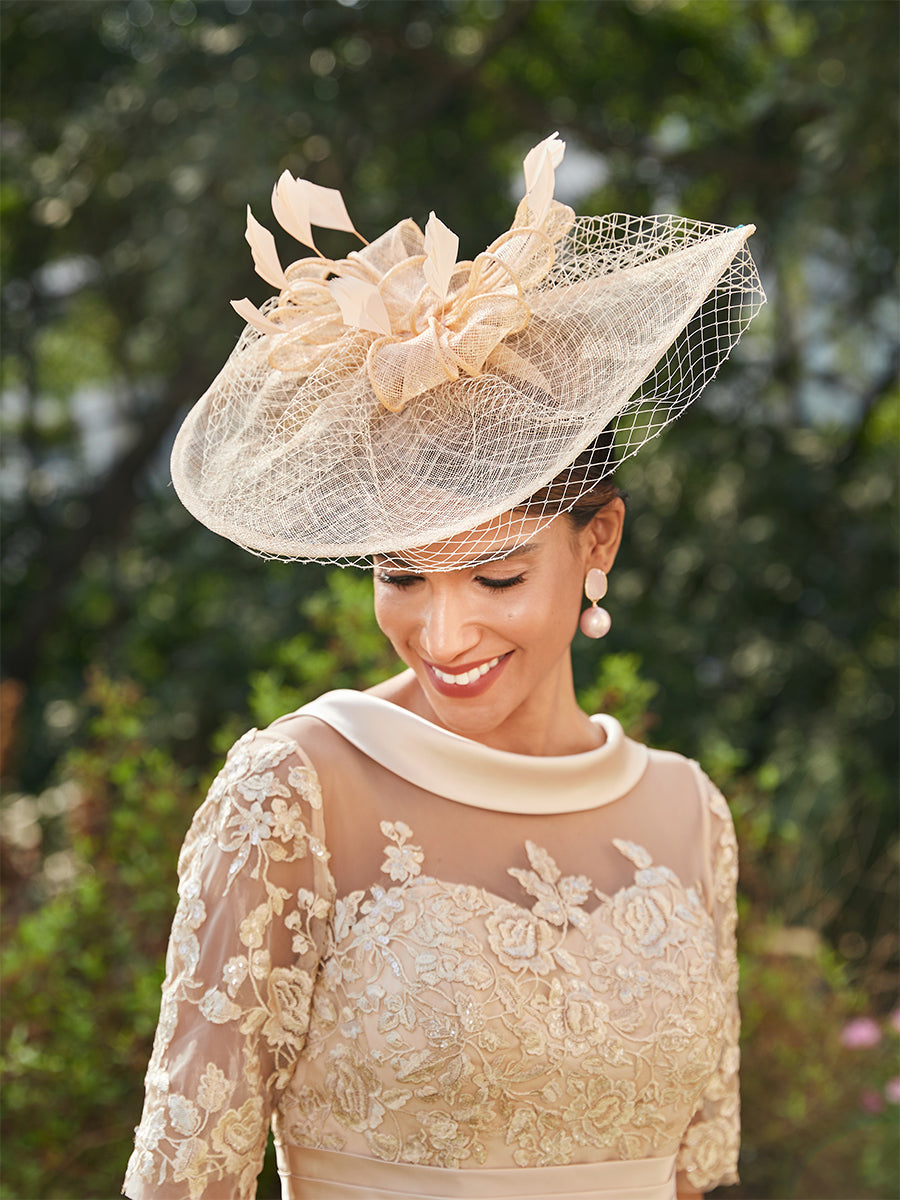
x: 595, y: 622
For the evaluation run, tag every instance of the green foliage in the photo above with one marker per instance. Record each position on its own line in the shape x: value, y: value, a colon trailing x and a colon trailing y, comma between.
x: 819, y: 1118
x: 339, y: 645
x: 78, y: 349
x: 619, y: 689
x: 81, y: 973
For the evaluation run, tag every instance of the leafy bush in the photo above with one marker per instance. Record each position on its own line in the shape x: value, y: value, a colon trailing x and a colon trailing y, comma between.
x: 339, y: 645
x: 82, y: 972
x: 820, y: 1113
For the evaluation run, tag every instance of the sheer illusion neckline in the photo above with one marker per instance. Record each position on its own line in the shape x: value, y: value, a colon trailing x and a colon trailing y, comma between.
x: 543, y: 891
x: 479, y: 776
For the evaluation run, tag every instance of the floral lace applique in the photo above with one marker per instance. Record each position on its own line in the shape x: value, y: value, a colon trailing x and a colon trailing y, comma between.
x: 523, y: 1036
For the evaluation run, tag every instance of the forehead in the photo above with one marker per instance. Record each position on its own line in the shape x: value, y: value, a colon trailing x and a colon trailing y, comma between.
x: 503, y: 537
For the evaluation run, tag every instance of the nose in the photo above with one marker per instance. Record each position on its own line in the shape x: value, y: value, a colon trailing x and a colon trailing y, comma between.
x: 449, y: 629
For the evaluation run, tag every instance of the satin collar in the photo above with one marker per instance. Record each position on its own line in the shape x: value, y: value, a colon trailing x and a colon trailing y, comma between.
x: 448, y: 765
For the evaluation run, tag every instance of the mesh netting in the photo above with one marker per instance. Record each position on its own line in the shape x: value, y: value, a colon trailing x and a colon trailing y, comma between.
x: 611, y: 342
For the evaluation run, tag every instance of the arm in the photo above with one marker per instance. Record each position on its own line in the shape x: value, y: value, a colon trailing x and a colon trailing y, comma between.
x: 709, y: 1150
x: 684, y: 1191
x: 246, y: 941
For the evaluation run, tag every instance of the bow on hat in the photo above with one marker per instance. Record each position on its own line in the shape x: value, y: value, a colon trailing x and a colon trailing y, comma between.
x: 427, y: 318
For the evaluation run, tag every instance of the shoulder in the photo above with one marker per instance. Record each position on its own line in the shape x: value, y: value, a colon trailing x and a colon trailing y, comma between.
x: 688, y: 797
x: 266, y: 797
x: 263, y: 766
x: 684, y: 777
x: 322, y: 748
x: 679, y: 784
x: 719, y: 837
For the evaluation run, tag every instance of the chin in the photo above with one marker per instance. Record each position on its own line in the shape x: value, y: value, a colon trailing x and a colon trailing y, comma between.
x: 472, y: 717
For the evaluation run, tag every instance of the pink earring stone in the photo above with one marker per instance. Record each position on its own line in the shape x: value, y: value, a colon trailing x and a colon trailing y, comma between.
x: 595, y: 622
x: 595, y: 584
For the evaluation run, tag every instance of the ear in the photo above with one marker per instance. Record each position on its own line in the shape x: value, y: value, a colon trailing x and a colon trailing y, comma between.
x: 602, y: 537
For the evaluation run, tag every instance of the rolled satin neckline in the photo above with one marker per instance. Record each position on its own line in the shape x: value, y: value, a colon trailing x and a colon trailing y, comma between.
x: 468, y: 772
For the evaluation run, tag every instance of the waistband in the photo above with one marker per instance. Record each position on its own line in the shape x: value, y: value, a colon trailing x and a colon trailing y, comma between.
x: 327, y: 1175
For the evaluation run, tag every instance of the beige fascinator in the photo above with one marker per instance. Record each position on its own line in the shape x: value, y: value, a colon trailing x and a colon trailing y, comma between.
x: 396, y: 398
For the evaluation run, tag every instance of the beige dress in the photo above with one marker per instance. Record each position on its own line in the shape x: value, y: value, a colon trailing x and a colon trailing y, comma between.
x: 439, y: 969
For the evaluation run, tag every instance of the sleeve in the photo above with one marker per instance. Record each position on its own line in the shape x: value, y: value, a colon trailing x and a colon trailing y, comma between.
x: 255, y: 895
x: 708, y: 1156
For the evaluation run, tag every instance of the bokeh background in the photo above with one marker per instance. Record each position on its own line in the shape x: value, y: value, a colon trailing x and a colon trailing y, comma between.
x: 755, y: 601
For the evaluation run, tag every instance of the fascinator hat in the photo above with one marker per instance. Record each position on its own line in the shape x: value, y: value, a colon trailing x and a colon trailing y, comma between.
x: 397, y: 398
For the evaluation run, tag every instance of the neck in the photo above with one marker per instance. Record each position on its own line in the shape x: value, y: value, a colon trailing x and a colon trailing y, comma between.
x: 549, y: 722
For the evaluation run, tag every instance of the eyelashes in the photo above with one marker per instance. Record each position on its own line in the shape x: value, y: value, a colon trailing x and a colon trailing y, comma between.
x: 406, y: 581
x: 397, y: 581
x: 498, y: 584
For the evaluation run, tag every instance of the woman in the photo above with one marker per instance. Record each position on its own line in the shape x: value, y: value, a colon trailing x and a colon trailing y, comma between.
x: 452, y: 936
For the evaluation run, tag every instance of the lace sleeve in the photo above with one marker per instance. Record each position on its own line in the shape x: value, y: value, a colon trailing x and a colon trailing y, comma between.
x: 708, y: 1156
x: 255, y: 894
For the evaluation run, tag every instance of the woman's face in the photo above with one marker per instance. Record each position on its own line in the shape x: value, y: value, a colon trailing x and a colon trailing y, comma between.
x: 489, y: 644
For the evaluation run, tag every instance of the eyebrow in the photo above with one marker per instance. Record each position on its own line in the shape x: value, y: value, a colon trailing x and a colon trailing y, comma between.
x: 394, y: 560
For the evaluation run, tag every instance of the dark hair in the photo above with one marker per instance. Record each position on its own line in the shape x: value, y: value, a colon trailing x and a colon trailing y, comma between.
x: 583, y: 488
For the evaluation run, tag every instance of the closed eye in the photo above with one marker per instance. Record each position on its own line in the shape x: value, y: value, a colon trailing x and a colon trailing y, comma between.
x: 497, y: 584
x: 396, y: 580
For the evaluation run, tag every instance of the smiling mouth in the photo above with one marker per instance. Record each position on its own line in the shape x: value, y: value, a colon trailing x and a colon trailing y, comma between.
x: 469, y: 676
x: 469, y: 682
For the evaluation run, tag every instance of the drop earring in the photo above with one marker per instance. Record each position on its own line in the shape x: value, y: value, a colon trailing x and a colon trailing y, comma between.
x: 595, y: 621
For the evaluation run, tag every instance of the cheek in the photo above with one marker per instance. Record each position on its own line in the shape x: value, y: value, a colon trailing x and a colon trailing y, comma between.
x: 393, y: 612
x: 382, y: 607
x: 562, y: 595
x: 548, y: 616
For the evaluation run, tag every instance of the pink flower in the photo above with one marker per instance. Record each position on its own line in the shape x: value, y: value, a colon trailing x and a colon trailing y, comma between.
x: 892, y: 1090
x: 871, y: 1101
x: 860, y: 1034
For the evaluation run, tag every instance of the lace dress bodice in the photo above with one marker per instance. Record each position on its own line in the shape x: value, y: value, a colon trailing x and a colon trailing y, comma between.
x: 454, y: 1010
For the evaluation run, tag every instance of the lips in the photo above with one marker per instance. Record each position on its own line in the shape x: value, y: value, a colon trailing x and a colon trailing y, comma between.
x: 461, y: 677
x: 469, y: 680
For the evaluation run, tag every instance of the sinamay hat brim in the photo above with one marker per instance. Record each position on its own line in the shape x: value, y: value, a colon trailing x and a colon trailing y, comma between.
x: 632, y: 321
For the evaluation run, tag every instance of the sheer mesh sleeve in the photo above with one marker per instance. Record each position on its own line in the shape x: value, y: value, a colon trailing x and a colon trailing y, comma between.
x: 709, y: 1150
x: 255, y: 896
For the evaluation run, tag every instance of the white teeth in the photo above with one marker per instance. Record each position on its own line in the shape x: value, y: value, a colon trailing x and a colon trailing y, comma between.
x: 467, y: 676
